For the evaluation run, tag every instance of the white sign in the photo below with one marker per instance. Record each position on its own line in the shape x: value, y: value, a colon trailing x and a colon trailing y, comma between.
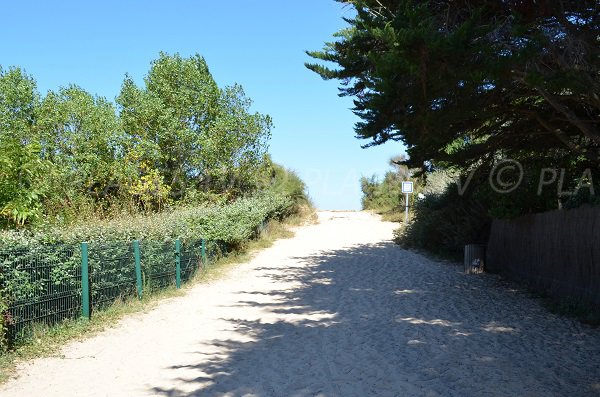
x: 407, y: 187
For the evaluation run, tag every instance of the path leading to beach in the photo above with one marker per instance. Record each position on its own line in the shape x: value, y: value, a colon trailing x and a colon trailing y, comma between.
x: 338, y: 310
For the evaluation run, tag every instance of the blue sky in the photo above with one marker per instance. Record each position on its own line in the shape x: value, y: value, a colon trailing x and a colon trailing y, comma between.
x: 259, y: 44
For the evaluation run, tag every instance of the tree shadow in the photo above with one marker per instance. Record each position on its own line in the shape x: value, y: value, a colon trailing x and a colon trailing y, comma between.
x: 376, y: 320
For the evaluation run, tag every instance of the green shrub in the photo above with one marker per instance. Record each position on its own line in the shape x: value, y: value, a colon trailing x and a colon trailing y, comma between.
x: 34, y: 265
x: 4, y: 322
x: 443, y: 223
x: 234, y: 222
x: 382, y: 197
x: 285, y: 182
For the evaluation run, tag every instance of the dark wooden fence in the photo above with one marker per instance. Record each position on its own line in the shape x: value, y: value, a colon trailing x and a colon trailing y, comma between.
x: 557, y: 251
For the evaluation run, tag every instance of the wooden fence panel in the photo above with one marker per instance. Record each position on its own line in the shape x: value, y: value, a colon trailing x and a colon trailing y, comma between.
x: 557, y: 251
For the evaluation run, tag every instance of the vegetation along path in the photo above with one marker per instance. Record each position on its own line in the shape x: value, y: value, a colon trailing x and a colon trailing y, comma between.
x: 338, y: 310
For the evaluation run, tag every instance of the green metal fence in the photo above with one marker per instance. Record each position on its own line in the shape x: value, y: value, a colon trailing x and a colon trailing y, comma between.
x: 47, y: 284
x: 42, y: 285
x: 112, y: 273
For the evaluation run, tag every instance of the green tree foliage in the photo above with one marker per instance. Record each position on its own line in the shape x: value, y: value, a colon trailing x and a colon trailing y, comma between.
x: 385, y: 196
x: 285, y: 182
x: 21, y: 181
x: 235, y: 144
x: 467, y: 84
x: 82, y: 137
x: 463, y: 82
x: 444, y: 222
x: 21, y: 168
x: 192, y: 133
x: 18, y: 101
x: 179, y: 137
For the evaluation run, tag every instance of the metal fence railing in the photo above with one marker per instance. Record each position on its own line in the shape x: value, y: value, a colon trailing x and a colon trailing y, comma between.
x: 46, y: 284
x: 41, y: 284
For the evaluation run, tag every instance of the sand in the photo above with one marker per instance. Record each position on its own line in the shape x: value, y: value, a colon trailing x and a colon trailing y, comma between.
x: 338, y: 310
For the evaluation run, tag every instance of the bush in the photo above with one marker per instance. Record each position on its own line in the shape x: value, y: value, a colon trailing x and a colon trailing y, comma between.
x: 34, y: 267
x: 287, y: 183
x: 443, y: 223
x: 232, y: 222
x: 383, y: 197
x: 4, y: 322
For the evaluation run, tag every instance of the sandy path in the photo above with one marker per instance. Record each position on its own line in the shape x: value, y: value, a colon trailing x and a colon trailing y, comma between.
x: 335, y: 311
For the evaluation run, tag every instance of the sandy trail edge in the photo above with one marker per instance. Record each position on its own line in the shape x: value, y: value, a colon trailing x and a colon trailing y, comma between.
x: 335, y: 311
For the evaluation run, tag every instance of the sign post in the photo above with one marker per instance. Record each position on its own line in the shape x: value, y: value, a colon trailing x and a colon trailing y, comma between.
x: 407, y: 188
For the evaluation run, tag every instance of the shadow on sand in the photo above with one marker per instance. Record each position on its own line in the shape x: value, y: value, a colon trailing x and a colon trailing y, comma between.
x: 376, y: 320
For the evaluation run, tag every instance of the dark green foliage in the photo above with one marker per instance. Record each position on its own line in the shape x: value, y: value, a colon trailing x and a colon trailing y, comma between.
x: 81, y: 138
x: 463, y: 82
x: 22, y: 185
x: 465, y: 85
x: 5, y: 320
x: 444, y: 222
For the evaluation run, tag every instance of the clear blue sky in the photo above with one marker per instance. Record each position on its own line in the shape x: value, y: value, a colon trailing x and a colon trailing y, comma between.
x: 259, y: 44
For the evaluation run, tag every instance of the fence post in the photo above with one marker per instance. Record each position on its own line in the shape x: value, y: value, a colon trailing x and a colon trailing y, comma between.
x: 85, y: 282
x: 178, y: 263
x: 138, y: 267
x: 204, y: 252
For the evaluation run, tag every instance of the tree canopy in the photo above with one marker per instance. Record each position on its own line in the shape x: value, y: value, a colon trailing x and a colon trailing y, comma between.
x: 463, y: 82
x: 190, y: 132
x: 179, y: 137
